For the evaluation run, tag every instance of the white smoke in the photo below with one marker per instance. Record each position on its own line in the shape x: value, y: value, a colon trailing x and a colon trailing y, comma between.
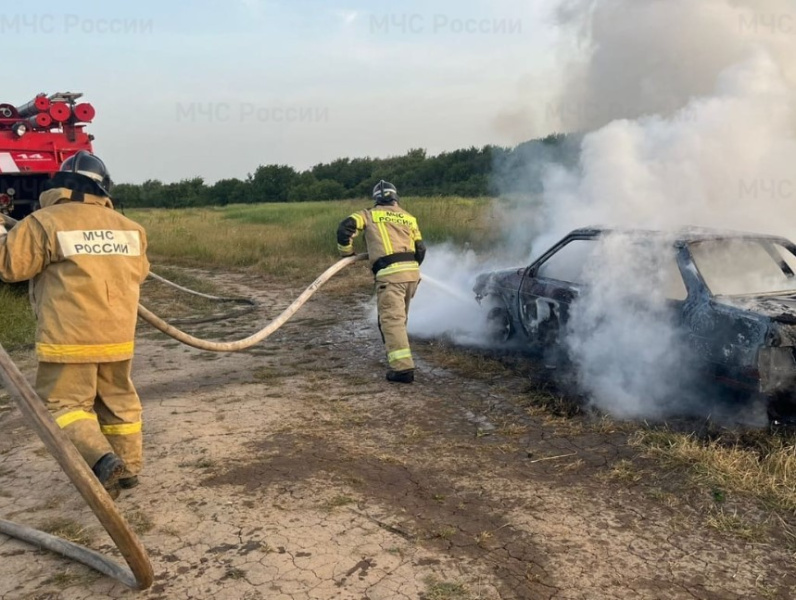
x: 621, y: 335
x: 725, y: 161
x: 444, y: 305
x: 652, y: 57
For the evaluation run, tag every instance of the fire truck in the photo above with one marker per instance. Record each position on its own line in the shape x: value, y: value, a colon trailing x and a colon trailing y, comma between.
x: 35, y: 138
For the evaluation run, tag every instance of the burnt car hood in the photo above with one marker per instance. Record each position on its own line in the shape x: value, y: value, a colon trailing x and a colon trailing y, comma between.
x: 485, y: 280
x: 779, y: 308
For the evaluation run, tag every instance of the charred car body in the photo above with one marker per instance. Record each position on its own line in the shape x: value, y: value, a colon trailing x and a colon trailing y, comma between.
x: 731, y: 296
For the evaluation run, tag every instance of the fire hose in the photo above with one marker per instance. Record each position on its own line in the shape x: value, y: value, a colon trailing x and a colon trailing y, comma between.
x: 140, y: 574
x: 249, y: 302
x: 259, y: 336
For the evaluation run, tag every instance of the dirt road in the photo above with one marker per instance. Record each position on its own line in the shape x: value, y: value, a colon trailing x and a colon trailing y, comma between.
x: 294, y: 471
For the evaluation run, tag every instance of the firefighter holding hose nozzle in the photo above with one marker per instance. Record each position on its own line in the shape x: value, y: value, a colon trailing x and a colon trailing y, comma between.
x: 395, y: 251
x: 86, y: 263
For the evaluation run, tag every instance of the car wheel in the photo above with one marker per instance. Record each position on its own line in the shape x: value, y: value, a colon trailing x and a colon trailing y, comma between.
x: 499, y: 327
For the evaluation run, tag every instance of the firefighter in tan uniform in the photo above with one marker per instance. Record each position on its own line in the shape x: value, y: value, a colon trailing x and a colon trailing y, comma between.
x: 395, y: 251
x: 86, y: 262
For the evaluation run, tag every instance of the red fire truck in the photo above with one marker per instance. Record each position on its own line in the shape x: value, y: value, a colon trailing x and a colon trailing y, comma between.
x: 35, y: 138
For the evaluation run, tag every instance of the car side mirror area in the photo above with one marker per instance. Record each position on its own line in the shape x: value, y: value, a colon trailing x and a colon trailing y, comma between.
x: 480, y: 288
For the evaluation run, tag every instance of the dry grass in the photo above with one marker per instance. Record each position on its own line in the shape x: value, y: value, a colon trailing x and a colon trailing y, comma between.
x: 294, y: 241
x: 201, y: 463
x: 482, y: 538
x: 445, y: 533
x: 338, y: 501
x: 766, y: 472
x: 668, y: 499
x: 443, y: 590
x: 391, y: 459
x: 735, y: 525
x: 140, y: 521
x: 67, y: 529
x: 234, y: 573
x: 472, y: 364
x: 625, y: 471
x: 261, y: 374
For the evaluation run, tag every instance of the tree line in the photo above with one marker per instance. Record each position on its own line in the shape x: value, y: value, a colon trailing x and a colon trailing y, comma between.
x: 472, y: 172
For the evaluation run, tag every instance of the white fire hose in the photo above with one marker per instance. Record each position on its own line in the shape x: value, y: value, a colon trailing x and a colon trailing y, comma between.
x: 140, y: 574
x: 255, y: 338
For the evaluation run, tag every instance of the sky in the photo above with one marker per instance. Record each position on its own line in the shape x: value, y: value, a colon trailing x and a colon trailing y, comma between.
x: 214, y: 89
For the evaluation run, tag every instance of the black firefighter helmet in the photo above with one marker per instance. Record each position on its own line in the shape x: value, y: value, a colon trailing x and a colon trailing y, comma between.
x: 83, y: 172
x: 385, y: 193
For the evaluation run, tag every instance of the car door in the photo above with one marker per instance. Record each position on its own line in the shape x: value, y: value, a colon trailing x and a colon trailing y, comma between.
x: 548, y: 288
x: 728, y: 332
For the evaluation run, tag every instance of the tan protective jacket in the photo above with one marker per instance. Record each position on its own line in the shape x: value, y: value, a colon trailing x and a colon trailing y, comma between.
x: 395, y: 245
x: 86, y: 262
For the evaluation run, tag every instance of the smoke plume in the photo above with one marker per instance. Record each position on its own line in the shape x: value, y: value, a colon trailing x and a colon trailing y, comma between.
x: 684, y: 115
x: 652, y: 57
x: 691, y: 111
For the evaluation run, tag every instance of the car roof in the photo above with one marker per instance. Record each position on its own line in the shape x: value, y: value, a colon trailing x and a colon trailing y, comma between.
x: 683, y: 236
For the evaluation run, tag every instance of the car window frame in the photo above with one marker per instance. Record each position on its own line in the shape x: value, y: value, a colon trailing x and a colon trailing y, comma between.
x: 533, y: 269
x: 765, y: 243
x: 555, y: 254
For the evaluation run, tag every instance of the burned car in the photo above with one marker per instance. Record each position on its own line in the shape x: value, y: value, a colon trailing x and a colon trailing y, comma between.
x: 730, y: 297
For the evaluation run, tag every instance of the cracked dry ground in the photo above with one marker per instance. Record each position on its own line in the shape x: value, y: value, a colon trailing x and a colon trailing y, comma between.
x: 294, y: 471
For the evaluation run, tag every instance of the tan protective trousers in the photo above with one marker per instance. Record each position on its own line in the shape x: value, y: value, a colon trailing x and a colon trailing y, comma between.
x: 393, y: 301
x: 97, y: 407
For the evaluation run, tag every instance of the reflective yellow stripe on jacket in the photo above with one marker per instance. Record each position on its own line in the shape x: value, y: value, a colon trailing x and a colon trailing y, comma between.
x: 59, y: 352
x: 385, y: 238
x: 381, y: 218
x: 399, y: 267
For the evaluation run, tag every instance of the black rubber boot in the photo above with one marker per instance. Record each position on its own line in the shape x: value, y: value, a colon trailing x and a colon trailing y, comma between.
x: 407, y: 376
x: 108, y: 470
x: 128, y: 483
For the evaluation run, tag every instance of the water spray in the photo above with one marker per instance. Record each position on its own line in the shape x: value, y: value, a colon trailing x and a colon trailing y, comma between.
x: 451, y: 291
